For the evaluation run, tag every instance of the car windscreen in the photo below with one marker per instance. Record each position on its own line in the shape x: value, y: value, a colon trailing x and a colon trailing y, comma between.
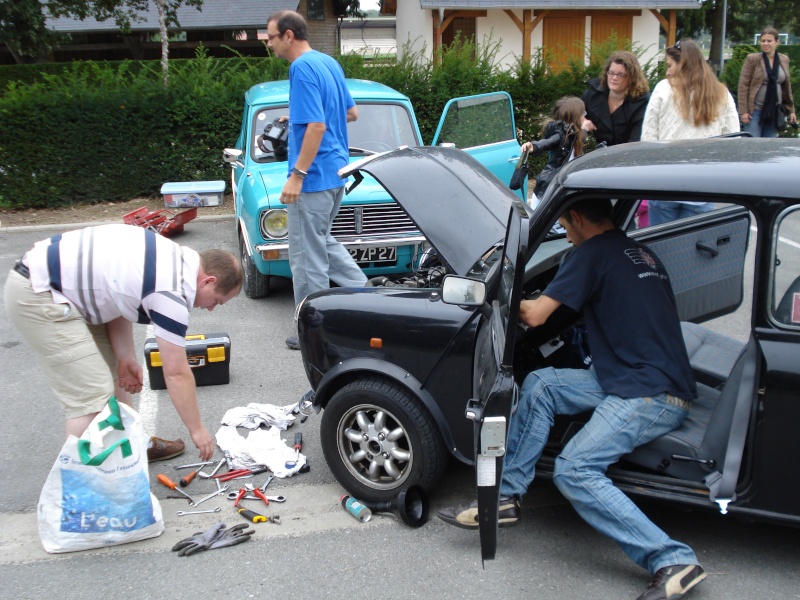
x: 379, y: 127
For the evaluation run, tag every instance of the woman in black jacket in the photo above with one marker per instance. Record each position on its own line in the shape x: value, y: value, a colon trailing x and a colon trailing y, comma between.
x: 616, y: 101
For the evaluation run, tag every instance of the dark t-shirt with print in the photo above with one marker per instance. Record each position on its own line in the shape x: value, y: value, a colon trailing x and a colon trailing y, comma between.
x: 632, y: 321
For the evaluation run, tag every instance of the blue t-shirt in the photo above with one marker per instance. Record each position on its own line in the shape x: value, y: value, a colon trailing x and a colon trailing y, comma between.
x: 318, y: 94
x: 632, y: 321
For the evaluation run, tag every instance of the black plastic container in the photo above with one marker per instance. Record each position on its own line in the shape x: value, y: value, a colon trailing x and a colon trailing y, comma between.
x: 209, y: 357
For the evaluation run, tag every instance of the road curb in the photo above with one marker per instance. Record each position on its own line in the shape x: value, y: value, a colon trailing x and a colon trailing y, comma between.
x: 63, y: 226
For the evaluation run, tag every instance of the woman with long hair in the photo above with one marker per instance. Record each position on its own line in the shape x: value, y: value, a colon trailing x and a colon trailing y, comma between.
x: 690, y: 103
x: 616, y: 101
x: 764, y: 88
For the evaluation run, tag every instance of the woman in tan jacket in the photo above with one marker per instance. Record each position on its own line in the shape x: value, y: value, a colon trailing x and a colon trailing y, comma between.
x: 764, y: 86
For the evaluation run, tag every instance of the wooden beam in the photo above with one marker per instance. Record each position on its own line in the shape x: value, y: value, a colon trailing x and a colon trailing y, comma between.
x: 673, y: 27
x: 669, y: 24
x: 661, y: 18
x: 592, y: 13
x: 540, y: 15
x: 514, y: 18
x: 449, y: 15
x: 526, y: 25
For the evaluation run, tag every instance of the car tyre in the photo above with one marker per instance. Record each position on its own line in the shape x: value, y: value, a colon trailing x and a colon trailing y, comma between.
x: 255, y: 284
x: 377, y: 440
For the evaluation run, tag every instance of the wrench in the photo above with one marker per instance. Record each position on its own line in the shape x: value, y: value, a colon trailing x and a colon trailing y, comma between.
x: 197, y: 512
x: 232, y: 496
x: 211, y: 495
x: 263, y: 488
x: 200, y: 464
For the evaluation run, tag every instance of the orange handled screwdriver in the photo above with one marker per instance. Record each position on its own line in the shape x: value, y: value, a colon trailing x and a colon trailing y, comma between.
x: 188, y: 479
x: 164, y: 480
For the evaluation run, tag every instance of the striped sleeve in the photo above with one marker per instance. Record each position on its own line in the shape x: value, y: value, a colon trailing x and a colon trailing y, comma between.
x: 170, y: 316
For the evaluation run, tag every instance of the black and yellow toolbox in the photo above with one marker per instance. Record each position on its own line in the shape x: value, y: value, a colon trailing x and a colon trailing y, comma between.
x: 209, y: 357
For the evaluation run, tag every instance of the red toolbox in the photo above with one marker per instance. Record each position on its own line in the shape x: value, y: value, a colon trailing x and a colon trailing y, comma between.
x: 163, y: 222
x: 209, y: 357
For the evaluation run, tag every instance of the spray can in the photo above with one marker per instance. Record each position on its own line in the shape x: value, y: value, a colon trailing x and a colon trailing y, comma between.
x: 355, y: 508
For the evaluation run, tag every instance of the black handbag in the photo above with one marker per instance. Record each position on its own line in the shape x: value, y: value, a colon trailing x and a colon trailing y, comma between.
x: 781, y: 118
x: 520, y: 172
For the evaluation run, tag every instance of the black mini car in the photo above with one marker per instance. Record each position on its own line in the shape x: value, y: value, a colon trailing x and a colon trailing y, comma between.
x: 414, y: 370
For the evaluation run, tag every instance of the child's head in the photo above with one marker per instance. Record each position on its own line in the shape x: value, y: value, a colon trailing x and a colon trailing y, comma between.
x: 571, y: 110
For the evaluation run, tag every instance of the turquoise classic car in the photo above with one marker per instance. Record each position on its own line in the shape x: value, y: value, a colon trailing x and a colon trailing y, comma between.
x: 379, y: 234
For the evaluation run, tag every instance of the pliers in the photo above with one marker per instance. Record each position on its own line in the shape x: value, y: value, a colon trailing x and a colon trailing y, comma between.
x: 240, y: 473
x: 258, y: 494
x: 233, y: 474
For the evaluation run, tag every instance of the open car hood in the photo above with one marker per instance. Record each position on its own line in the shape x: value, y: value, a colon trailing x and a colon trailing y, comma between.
x: 457, y: 203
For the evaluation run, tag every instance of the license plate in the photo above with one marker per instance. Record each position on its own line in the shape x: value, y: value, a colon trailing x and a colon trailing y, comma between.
x: 373, y: 254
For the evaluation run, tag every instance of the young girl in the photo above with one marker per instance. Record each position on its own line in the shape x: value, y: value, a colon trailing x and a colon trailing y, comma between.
x: 563, y: 139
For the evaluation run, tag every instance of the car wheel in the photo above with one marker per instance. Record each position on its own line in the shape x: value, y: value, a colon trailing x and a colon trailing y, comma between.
x: 255, y: 284
x: 378, y: 441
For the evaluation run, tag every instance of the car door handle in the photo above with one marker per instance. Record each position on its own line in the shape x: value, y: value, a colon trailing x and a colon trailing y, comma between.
x: 705, y: 247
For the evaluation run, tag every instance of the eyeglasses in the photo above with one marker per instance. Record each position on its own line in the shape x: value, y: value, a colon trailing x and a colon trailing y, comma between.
x: 677, y: 46
x: 617, y: 75
x: 271, y: 36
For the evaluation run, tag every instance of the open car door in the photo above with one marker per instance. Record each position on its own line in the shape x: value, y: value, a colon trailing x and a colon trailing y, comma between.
x: 495, y: 391
x: 483, y: 126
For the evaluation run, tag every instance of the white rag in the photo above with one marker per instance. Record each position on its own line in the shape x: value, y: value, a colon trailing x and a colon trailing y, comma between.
x: 254, y: 415
x: 260, y: 447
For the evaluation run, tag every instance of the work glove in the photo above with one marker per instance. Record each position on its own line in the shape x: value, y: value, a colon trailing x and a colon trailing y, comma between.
x: 200, y: 541
x: 238, y: 534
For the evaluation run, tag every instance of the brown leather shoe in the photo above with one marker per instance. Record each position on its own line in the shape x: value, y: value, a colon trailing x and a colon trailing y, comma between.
x: 161, y: 449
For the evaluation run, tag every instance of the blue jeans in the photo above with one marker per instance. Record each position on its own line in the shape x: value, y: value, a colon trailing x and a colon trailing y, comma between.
x: 662, y: 211
x: 315, y: 256
x: 758, y: 129
x: 617, y: 426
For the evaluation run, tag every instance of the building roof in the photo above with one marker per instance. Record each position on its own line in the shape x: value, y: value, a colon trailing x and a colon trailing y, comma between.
x: 380, y: 23
x: 215, y: 14
x: 558, y: 4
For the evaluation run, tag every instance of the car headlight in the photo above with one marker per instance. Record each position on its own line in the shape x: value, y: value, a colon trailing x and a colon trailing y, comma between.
x: 275, y: 224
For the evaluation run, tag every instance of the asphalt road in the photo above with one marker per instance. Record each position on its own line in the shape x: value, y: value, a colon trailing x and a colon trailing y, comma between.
x: 320, y: 550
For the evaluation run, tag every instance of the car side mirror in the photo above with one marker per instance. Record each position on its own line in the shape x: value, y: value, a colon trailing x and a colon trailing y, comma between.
x: 232, y: 156
x: 460, y: 290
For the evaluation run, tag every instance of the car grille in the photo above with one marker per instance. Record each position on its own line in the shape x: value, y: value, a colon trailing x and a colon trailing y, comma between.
x: 366, y: 220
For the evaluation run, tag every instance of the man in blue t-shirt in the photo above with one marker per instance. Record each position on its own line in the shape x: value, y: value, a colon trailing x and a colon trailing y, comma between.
x: 640, y: 388
x: 320, y: 106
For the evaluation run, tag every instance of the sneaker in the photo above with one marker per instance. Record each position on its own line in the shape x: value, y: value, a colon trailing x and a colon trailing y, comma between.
x: 673, y: 582
x: 466, y: 517
x: 293, y: 343
x: 160, y: 449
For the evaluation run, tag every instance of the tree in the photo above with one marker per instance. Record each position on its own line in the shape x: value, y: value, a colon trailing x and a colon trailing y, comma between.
x: 743, y: 19
x: 23, y: 29
x: 346, y: 8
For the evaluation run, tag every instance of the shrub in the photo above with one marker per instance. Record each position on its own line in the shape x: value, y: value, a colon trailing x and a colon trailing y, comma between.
x: 88, y: 132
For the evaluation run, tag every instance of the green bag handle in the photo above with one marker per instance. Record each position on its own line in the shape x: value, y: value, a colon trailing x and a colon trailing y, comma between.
x: 114, y: 420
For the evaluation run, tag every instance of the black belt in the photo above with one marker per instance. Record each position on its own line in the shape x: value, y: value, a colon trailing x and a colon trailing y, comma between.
x: 20, y: 268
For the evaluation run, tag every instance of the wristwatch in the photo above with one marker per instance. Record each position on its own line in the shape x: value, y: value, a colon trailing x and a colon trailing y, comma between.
x: 299, y: 173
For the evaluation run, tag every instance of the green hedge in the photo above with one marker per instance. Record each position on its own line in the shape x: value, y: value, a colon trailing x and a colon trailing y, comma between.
x: 89, y: 132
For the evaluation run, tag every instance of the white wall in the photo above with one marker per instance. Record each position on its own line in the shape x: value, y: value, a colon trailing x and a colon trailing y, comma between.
x: 645, y: 34
x: 414, y: 25
x: 417, y: 25
x: 498, y: 27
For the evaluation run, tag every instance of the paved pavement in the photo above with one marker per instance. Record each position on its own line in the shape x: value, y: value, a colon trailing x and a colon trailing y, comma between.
x: 320, y: 550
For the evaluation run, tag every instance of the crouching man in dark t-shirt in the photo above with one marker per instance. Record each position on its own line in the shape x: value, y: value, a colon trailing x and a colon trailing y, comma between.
x: 640, y: 388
